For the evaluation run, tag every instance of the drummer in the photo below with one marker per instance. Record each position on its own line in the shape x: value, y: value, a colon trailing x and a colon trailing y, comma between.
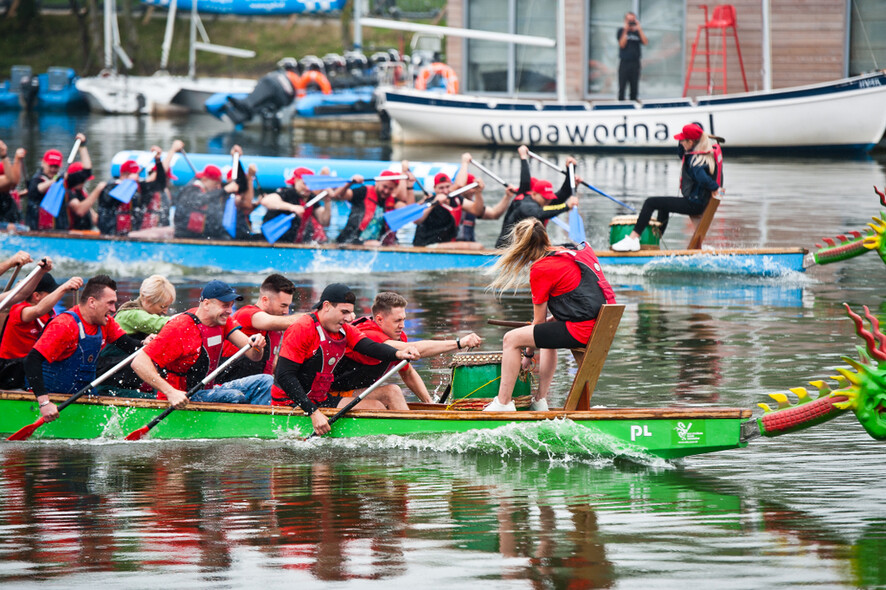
x: 701, y: 176
x: 311, y: 349
x: 568, y: 283
x: 385, y: 325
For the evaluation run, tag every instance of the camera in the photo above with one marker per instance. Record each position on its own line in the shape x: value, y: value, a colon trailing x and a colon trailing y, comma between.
x: 632, y: 23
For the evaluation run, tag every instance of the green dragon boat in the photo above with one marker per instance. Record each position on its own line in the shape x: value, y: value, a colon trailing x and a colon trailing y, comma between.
x: 669, y: 433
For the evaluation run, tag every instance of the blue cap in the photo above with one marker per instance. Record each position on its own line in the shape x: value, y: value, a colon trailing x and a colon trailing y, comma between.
x: 220, y: 290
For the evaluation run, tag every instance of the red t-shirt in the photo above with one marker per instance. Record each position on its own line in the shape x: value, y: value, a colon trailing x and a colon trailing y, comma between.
x: 373, y: 331
x: 556, y: 275
x: 61, y: 336
x: 301, y: 340
x: 18, y: 337
x: 177, y: 346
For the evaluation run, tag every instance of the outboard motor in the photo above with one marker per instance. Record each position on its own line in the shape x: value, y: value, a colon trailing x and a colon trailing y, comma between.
x: 28, y: 91
x: 271, y: 93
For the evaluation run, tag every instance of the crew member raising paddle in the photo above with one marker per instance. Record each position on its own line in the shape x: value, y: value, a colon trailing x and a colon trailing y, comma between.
x: 311, y: 349
x: 567, y: 283
x: 701, y: 175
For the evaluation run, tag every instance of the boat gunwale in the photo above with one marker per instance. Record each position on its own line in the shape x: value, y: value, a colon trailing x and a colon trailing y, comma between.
x: 404, y: 248
x: 421, y: 411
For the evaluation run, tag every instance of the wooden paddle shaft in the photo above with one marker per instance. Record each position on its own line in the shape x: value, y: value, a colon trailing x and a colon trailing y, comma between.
x: 508, y: 323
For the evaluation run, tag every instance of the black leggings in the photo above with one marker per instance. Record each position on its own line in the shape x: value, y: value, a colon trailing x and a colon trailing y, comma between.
x: 554, y: 335
x: 665, y: 206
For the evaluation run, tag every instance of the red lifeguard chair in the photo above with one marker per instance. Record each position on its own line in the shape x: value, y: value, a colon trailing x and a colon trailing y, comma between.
x: 722, y: 18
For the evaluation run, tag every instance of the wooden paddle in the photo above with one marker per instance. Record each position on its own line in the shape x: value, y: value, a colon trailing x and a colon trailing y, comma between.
x: 397, y: 218
x: 363, y: 395
x: 141, y: 432
x: 274, y: 229
x: 507, y: 323
x: 188, y: 161
x: 11, y: 280
x: 55, y: 196
x: 553, y: 166
x: 490, y: 173
x: 28, y: 430
x: 18, y: 288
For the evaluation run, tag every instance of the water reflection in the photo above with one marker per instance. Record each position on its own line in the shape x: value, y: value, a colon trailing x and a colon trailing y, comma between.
x: 203, y: 511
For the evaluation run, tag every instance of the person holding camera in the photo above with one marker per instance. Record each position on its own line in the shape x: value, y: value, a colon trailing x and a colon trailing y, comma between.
x: 630, y: 37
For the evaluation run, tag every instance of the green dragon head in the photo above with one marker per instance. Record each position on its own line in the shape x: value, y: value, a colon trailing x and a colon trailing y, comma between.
x: 866, y: 388
x: 877, y: 241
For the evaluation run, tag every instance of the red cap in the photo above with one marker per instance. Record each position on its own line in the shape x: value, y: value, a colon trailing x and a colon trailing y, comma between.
x: 298, y: 173
x: 440, y: 178
x: 2, y: 170
x: 53, y: 158
x: 229, y: 175
x: 471, y: 178
x: 390, y: 173
x: 211, y: 172
x: 544, y: 188
x: 691, y: 131
x: 129, y: 167
x: 73, y: 169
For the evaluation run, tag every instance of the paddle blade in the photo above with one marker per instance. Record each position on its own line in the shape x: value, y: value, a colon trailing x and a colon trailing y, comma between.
x: 316, y: 182
x: 27, y: 431
x: 124, y: 191
x: 137, y: 434
x: 229, y: 219
x: 576, y: 227
x: 397, y: 218
x: 55, y: 196
x: 274, y: 229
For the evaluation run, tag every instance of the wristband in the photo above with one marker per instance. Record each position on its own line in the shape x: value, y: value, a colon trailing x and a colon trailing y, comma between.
x: 526, y: 353
x: 46, y: 403
x: 458, y: 343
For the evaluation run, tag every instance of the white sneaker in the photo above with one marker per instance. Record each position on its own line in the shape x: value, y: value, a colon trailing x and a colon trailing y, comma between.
x: 626, y: 244
x: 496, y: 406
x: 540, y: 405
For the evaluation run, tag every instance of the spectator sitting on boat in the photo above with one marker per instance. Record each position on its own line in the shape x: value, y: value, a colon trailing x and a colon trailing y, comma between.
x: 26, y: 321
x: 141, y: 317
x: 10, y: 175
x: 189, y: 347
x: 366, y: 224
x: 199, y: 207
x: 535, y: 198
x: 701, y: 175
x: 148, y: 207
x: 307, y: 225
x: 567, y: 283
x: 64, y: 358
x: 76, y: 210
x: 357, y: 371
x: 270, y: 317
x: 312, y: 347
x: 468, y: 219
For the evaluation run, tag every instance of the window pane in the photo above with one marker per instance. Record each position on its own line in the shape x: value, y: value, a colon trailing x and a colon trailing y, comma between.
x: 867, y: 44
x: 536, y: 66
x: 487, y: 60
x: 606, y: 17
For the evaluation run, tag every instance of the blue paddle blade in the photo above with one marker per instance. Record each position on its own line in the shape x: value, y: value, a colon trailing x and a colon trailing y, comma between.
x: 229, y: 219
x: 576, y: 227
x: 55, y: 196
x: 316, y: 182
x: 397, y: 218
x: 124, y: 191
x: 274, y: 229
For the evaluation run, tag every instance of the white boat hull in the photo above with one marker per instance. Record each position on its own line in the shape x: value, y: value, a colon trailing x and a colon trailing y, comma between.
x: 158, y: 94
x: 848, y: 114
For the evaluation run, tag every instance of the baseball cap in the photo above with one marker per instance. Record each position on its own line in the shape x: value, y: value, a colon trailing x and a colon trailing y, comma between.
x: 129, y: 167
x: 544, y: 188
x: 211, y: 172
x: 53, y: 158
x: 390, y: 173
x: 336, y: 293
x: 441, y: 177
x: 298, y: 173
x: 73, y: 169
x: 47, y: 284
x: 219, y: 290
x: 471, y: 178
x: 691, y: 131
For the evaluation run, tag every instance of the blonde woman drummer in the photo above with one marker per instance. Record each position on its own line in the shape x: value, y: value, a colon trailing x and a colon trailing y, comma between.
x: 567, y: 283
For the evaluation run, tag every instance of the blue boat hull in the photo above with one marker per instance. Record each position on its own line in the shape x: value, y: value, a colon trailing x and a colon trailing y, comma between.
x: 259, y: 257
x: 273, y: 171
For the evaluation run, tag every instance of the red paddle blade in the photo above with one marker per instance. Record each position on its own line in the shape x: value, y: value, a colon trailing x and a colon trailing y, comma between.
x: 137, y: 434
x: 27, y: 431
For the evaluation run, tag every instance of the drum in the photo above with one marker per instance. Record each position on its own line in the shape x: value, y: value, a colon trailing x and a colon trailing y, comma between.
x: 622, y: 225
x: 475, y: 380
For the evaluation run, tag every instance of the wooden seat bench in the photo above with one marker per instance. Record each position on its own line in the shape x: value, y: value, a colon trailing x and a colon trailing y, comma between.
x: 703, y: 222
x: 591, y: 358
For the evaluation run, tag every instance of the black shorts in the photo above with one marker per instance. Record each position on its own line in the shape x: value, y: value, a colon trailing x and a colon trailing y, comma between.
x: 331, y: 401
x: 554, y: 335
